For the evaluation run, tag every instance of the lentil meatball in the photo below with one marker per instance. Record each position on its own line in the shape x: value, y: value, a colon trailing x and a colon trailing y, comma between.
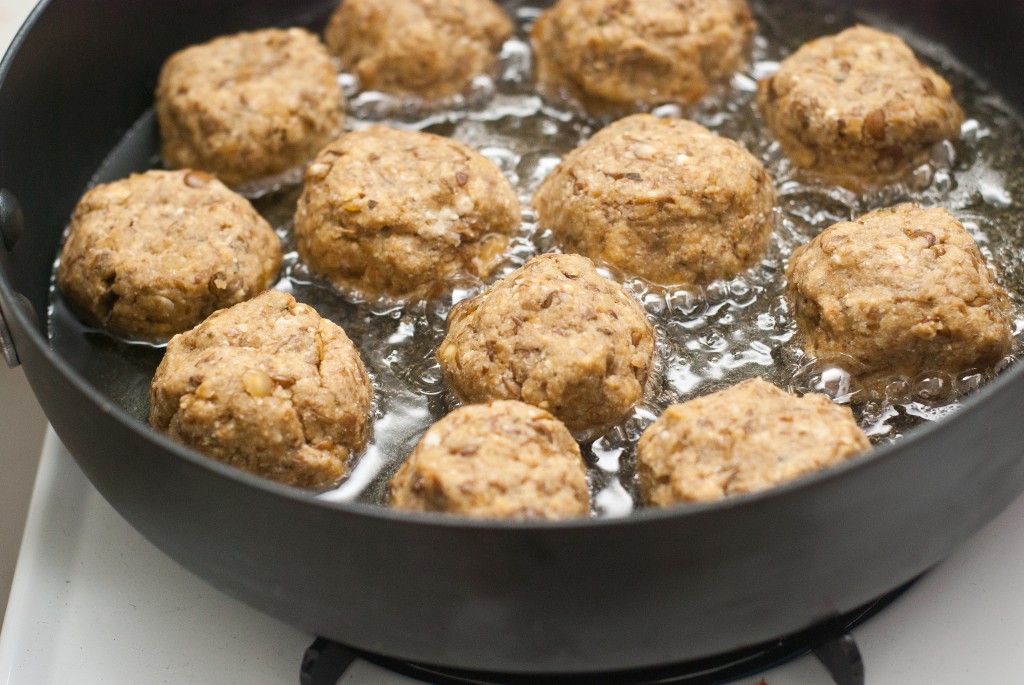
x: 554, y: 334
x: 426, y: 48
x: 154, y: 254
x: 745, y: 438
x: 663, y: 199
x: 898, y: 292
x: 269, y: 387
x: 401, y: 213
x: 504, y: 459
x: 857, y: 108
x: 620, y: 54
x: 249, y: 106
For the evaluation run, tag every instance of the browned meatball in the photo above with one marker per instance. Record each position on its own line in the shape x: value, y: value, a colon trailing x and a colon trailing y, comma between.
x: 663, y: 199
x: 622, y: 54
x: 503, y: 459
x: 427, y: 48
x: 858, y: 108
x: 898, y: 292
x: 269, y: 387
x: 154, y: 254
x: 554, y: 334
x: 249, y: 106
x: 401, y: 213
x: 748, y: 437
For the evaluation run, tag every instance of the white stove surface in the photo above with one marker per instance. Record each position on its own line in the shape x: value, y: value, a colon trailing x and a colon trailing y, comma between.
x: 93, y: 602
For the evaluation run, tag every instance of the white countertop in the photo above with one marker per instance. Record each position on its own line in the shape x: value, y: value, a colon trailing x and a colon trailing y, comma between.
x: 93, y: 602
x: 12, y: 14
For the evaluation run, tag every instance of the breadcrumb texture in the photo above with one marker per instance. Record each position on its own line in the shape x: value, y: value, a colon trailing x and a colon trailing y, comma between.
x: 898, y: 292
x: 745, y: 438
x: 663, y: 199
x: 154, y: 254
x: 858, y: 108
x: 250, y: 105
x: 426, y: 48
x: 554, y: 334
x: 402, y: 213
x: 269, y: 387
x: 503, y: 460
x: 617, y: 55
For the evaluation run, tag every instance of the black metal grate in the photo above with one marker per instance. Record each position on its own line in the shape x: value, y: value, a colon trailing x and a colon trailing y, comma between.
x: 325, y: 662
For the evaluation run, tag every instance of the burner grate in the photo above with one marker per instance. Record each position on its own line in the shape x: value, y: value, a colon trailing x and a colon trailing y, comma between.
x: 325, y: 662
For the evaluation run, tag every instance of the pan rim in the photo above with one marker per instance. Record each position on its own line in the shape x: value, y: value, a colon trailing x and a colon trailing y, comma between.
x: 13, y: 310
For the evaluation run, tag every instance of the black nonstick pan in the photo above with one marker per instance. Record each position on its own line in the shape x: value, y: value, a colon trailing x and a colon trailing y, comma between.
x: 653, y: 588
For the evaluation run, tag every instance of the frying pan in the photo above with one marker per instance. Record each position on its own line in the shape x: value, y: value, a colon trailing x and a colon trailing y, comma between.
x: 657, y: 587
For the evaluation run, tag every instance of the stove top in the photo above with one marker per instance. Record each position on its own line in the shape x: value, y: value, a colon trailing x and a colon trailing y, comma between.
x: 93, y: 602
x: 326, y: 662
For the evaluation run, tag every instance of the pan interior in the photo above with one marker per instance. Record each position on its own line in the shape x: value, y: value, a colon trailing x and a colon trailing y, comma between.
x: 708, y: 339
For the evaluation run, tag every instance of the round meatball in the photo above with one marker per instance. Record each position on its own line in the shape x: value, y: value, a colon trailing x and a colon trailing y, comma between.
x: 504, y: 459
x: 249, y: 106
x: 554, y: 334
x: 663, y: 199
x: 426, y: 48
x: 154, y: 254
x: 745, y: 438
x: 269, y: 387
x: 401, y: 213
x: 857, y: 108
x: 898, y: 292
x: 622, y: 54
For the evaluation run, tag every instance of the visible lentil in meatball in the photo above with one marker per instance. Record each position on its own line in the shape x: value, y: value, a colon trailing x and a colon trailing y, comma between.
x: 504, y: 459
x: 427, y: 48
x: 402, y: 213
x: 618, y: 55
x: 746, y: 438
x: 858, y: 108
x: 269, y: 387
x: 249, y: 106
x: 898, y: 292
x: 554, y: 334
x: 154, y: 254
x: 663, y: 199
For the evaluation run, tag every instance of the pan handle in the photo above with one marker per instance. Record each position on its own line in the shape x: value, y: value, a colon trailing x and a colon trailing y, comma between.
x: 12, y: 228
x: 7, y: 344
x: 12, y: 221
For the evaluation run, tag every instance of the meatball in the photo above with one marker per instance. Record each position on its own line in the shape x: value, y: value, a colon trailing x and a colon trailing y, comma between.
x: 504, y: 459
x: 615, y: 55
x: 269, y: 387
x: 249, y: 106
x: 898, y: 292
x: 745, y: 438
x: 401, y: 213
x: 857, y: 108
x: 154, y: 254
x: 426, y: 48
x: 663, y: 199
x: 554, y: 334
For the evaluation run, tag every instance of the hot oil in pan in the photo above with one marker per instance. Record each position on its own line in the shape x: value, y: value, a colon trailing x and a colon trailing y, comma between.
x: 708, y: 339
